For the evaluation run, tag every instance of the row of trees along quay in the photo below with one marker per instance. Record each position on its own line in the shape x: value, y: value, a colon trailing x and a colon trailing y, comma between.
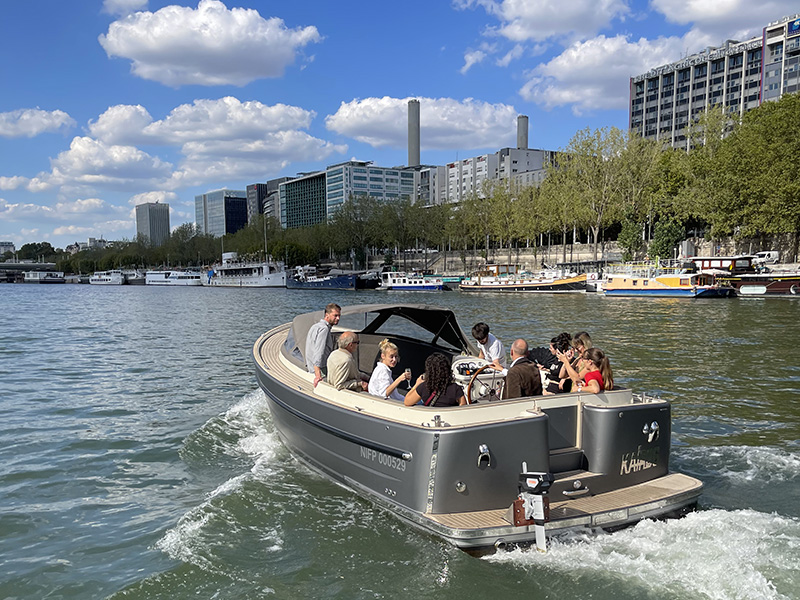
x: 738, y: 180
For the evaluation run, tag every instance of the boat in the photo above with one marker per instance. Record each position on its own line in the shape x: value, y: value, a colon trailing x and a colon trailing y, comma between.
x: 749, y: 276
x: 664, y: 280
x: 306, y: 278
x: 44, y: 277
x: 177, y: 278
x: 479, y: 475
x: 133, y: 277
x: 113, y: 277
x: 233, y: 272
x: 509, y: 278
x: 399, y: 280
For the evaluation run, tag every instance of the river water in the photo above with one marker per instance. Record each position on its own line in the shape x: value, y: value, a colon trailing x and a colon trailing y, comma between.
x: 138, y: 459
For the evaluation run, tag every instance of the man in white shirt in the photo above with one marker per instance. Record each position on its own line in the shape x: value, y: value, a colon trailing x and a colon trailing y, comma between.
x: 319, y: 342
x: 490, y: 347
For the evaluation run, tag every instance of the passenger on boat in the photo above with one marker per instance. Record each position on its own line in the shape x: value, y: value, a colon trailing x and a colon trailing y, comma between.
x: 319, y: 342
x: 598, y: 375
x: 436, y: 387
x: 381, y: 383
x: 573, y: 368
x: 523, y: 377
x: 490, y: 347
x: 556, y: 384
x: 342, y: 369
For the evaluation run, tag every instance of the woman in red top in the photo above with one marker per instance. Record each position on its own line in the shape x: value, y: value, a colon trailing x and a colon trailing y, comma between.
x: 597, y: 371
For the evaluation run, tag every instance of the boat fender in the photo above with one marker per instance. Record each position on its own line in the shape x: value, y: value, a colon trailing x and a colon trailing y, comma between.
x: 794, y: 290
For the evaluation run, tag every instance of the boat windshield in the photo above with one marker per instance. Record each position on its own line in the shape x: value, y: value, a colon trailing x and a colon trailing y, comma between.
x: 395, y: 326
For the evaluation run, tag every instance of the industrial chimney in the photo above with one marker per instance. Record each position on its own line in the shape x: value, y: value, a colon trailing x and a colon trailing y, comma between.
x: 522, y: 132
x: 413, y: 133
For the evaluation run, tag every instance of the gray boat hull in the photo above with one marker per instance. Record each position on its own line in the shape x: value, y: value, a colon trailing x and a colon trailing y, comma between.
x: 455, y: 471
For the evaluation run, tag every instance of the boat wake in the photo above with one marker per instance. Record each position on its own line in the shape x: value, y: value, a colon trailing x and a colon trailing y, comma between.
x: 722, y: 554
x: 742, y: 464
x: 243, y: 434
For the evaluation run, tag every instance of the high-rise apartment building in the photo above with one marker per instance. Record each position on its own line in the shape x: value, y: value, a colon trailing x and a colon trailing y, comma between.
x: 737, y: 76
x: 152, y: 222
x: 220, y: 212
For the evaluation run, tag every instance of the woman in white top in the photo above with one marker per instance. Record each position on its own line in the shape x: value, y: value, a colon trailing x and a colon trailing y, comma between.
x: 381, y: 382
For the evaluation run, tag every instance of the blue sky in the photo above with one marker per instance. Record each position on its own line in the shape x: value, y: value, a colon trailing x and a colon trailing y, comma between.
x: 107, y: 104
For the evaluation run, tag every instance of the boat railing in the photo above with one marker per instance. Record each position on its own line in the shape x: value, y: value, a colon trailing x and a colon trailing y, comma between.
x: 645, y: 268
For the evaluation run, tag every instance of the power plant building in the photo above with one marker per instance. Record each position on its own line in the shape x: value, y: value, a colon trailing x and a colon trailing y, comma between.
x: 220, y: 212
x: 152, y: 222
x: 737, y: 76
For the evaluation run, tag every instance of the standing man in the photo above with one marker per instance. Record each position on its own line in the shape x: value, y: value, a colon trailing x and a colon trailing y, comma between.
x: 342, y: 368
x: 523, y: 378
x: 319, y: 342
x: 490, y: 347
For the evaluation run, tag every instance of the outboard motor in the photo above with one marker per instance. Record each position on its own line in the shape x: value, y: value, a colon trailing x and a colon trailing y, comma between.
x: 532, y: 507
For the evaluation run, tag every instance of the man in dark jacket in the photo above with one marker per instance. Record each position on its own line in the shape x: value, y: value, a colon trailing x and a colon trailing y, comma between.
x: 523, y: 378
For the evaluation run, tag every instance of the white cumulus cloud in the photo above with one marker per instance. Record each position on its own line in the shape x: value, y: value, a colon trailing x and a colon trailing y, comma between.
x: 223, y: 119
x: 90, y: 162
x: 445, y: 123
x: 539, y: 20
x: 154, y: 196
x: 210, y: 45
x: 123, y: 8
x: 726, y: 19
x: 595, y: 74
x: 30, y: 122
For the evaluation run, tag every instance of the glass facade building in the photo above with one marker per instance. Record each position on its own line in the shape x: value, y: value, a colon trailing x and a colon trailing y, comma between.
x: 221, y: 212
x: 152, y: 222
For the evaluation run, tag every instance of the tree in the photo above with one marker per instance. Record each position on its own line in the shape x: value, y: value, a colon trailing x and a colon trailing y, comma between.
x: 757, y: 187
x: 595, y: 166
x: 668, y: 234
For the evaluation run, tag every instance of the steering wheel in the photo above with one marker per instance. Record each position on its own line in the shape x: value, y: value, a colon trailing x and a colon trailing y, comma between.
x: 472, y: 381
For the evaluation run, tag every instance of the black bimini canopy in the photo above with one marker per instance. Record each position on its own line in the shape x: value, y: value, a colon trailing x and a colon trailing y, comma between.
x: 439, y: 322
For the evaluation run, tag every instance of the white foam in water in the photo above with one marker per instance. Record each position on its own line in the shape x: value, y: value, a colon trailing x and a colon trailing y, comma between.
x: 180, y: 541
x: 746, y: 463
x: 713, y: 554
x: 185, y: 541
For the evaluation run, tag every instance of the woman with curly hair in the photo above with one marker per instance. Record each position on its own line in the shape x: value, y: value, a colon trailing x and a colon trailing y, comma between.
x: 435, y: 387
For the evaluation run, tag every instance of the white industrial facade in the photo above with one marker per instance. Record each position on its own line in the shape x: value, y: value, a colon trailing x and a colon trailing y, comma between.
x: 738, y: 76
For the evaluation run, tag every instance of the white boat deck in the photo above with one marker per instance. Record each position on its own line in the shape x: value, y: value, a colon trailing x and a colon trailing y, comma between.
x: 272, y: 360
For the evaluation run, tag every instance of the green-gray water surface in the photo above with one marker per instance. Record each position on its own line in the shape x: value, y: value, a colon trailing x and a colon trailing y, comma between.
x: 138, y: 460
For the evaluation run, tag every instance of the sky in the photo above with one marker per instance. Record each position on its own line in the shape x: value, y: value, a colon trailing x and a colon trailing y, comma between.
x: 105, y: 104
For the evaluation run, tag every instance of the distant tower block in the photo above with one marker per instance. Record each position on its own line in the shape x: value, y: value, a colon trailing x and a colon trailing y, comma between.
x: 522, y: 132
x: 413, y: 133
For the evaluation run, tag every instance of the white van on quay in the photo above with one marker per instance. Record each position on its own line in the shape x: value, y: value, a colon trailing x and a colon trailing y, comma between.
x: 766, y: 257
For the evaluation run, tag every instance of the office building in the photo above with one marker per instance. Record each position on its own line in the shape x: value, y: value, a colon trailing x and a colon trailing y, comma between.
x: 256, y: 192
x: 467, y: 176
x: 152, y: 222
x: 360, y: 178
x: 220, y: 212
x: 737, y: 76
x: 302, y: 200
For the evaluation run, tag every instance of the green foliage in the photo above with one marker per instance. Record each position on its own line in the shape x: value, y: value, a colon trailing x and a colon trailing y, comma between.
x: 630, y: 239
x: 668, y: 235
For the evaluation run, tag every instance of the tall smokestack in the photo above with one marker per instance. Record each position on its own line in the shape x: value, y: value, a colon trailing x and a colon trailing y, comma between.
x: 413, y: 133
x: 522, y: 132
